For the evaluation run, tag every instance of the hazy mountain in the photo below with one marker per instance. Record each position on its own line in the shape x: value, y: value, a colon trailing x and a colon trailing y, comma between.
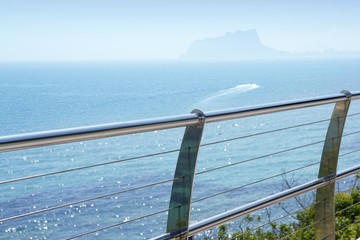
x: 236, y: 45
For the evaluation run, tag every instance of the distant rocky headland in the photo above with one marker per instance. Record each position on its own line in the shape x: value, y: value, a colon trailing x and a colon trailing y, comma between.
x: 244, y: 45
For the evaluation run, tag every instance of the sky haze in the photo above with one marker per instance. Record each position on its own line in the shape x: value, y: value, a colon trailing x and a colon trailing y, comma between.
x: 42, y: 30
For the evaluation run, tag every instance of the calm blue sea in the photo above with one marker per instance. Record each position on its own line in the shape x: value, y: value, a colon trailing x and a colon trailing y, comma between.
x: 47, y: 96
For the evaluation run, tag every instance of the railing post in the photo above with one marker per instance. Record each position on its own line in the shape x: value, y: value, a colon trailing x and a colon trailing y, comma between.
x: 325, y: 196
x: 179, y: 213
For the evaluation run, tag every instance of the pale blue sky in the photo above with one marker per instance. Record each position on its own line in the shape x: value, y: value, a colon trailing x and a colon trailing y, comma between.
x: 163, y: 29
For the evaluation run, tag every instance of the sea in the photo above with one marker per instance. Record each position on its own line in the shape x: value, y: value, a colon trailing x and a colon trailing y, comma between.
x: 127, y: 197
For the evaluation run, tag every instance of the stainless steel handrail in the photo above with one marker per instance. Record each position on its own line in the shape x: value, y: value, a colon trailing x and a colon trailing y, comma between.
x: 228, y: 114
x: 194, y: 124
x: 38, y: 139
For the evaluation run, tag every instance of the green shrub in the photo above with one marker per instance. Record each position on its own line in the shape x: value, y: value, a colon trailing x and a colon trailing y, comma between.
x: 347, y: 223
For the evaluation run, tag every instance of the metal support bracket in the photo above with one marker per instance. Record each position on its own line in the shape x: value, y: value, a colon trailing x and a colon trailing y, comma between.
x: 179, y: 207
x: 325, y: 196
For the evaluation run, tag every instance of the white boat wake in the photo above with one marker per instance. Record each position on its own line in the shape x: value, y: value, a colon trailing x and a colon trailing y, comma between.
x: 234, y: 90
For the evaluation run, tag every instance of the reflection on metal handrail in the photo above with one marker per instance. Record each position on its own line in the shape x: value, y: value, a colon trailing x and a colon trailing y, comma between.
x: 21, y: 141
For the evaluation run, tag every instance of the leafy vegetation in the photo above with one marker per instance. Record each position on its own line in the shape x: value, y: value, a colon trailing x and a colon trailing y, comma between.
x: 347, y: 208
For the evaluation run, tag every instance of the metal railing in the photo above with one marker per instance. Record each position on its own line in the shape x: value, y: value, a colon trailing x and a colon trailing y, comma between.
x: 178, y: 221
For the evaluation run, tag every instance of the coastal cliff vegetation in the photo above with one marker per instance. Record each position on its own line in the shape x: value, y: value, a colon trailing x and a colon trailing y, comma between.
x: 347, y: 221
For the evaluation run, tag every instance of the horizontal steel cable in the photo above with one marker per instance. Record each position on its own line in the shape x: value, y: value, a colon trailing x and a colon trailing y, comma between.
x: 295, y: 197
x: 272, y: 131
x: 265, y: 132
x: 85, y: 200
x: 353, y: 114
x: 306, y: 227
x: 348, y: 134
x: 259, y: 157
x: 119, y: 224
x: 86, y: 167
x: 270, y: 154
x: 328, y: 236
x: 115, y: 193
x: 275, y: 220
x: 140, y: 187
x: 289, y: 214
x: 342, y: 229
x: 145, y: 156
x: 353, y: 205
x: 252, y: 183
x: 326, y: 218
x: 123, y: 191
x: 348, y: 153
